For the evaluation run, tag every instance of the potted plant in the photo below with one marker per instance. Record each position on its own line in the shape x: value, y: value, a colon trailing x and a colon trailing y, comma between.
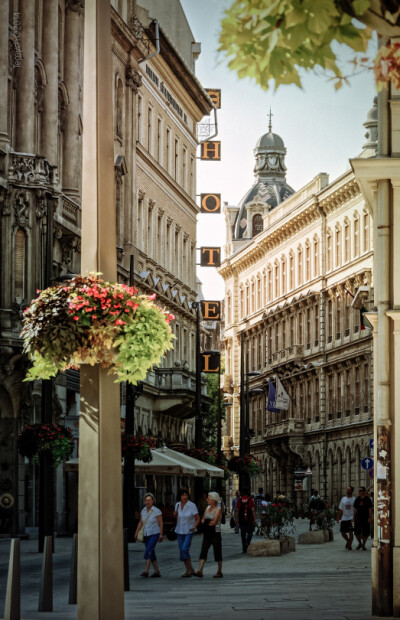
x: 248, y: 463
x: 140, y: 445
x: 277, y: 520
x: 91, y: 321
x: 35, y: 439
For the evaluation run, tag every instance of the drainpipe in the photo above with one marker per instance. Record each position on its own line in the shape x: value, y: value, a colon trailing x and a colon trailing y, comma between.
x: 157, y: 43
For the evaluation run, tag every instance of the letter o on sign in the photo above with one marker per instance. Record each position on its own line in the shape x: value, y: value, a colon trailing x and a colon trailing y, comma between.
x: 211, y: 203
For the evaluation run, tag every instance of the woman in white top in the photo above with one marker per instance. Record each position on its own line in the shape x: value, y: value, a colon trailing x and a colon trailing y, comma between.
x: 151, y: 519
x: 187, y: 519
x: 212, y: 534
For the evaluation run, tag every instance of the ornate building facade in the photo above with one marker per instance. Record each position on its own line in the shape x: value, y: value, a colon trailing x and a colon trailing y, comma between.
x: 157, y: 104
x: 294, y: 261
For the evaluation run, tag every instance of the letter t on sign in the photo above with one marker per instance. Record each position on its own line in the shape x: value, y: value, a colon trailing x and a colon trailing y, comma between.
x: 210, y: 257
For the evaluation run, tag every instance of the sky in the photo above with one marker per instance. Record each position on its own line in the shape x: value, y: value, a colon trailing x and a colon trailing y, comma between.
x: 321, y: 128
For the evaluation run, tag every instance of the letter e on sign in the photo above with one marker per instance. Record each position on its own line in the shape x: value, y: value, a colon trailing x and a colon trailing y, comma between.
x: 210, y: 203
x: 211, y: 150
x: 215, y: 96
x: 211, y: 310
x: 210, y: 257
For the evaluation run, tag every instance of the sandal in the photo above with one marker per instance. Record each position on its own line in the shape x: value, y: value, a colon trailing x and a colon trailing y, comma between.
x: 155, y: 575
x: 144, y: 575
x: 217, y: 576
x: 186, y: 575
x: 198, y: 574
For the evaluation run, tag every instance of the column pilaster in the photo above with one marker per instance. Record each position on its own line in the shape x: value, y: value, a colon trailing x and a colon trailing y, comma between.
x: 50, y: 103
x: 26, y: 80
x: 4, y: 137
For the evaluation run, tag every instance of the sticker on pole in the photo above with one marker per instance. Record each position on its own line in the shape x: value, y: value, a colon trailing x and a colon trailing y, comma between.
x: 371, y: 473
x: 367, y: 463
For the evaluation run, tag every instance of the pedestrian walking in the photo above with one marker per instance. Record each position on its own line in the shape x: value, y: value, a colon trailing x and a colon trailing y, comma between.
x: 234, y: 502
x: 187, y: 519
x: 259, y: 499
x: 246, y: 518
x: 346, y: 517
x: 211, y: 521
x: 362, y: 518
x: 153, y: 530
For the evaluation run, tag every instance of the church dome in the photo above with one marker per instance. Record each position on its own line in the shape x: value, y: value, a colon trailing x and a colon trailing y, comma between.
x: 270, y: 188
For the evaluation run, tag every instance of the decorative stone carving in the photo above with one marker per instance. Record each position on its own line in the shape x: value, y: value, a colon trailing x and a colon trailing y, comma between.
x: 69, y: 244
x: 41, y: 206
x: 120, y: 254
x: 75, y: 5
x: 136, y: 27
x: 133, y: 78
x: 22, y: 209
x: 5, y: 208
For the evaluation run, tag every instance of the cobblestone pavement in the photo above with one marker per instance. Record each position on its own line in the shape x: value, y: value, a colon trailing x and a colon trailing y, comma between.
x: 313, y: 583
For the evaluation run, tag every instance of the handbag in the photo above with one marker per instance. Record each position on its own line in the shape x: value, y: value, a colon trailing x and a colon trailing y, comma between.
x: 232, y: 522
x: 140, y: 534
x: 172, y: 535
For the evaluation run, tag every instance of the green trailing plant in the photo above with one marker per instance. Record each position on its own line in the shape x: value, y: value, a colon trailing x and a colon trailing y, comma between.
x: 322, y: 518
x: 35, y: 439
x: 248, y: 463
x: 277, y: 520
x: 91, y: 321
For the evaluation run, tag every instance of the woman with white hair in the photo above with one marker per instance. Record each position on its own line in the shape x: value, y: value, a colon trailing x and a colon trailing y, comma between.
x: 152, y: 522
x: 212, y: 534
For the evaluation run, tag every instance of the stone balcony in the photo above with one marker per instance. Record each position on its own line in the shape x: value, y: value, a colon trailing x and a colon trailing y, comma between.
x: 176, y: 391
x: 295, y: 352
x: 28, y: 169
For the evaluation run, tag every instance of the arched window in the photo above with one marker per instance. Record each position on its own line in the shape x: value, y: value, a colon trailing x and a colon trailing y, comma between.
x: 308, y: 261
x: 365, y: 231
x: 300, y: 266
x: 247, y: 300
x: 356, y: 235
x: 242, y: 302
x: 346, y: 241
x: 253, y: 296
x: 257, y: 224
x: 259, y: 303
x: 329, y: 253
x: 338, y: 245
x: 270, y: 292
x: 316, y: 256
x: 284, y: 276
x: 277, y: 288
x: 20, y: 265
x: 291, y: 271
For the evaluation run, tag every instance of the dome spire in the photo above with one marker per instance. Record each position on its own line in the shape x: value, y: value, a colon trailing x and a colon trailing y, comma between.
x: 270, y: 121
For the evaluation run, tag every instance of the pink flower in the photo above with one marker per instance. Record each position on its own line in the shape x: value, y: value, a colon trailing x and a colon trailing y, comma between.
x: 76, y: 318
x: 119, y: 322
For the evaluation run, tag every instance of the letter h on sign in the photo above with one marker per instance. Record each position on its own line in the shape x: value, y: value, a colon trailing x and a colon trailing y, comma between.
x: 211, y: 150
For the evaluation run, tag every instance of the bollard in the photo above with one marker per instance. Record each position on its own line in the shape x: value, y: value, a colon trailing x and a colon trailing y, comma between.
x: 12, y: 608
x: 126, y: 562
x: 73, y: 573
x: 46, y: 582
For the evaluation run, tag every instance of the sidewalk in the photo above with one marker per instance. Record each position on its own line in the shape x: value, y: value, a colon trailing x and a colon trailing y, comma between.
x: 317, y: 581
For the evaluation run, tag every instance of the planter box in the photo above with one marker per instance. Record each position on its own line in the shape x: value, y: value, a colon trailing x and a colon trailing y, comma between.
x: 284, y: 546
x: 264, y: 548
x: 292, y: 543
x: 316, y: 537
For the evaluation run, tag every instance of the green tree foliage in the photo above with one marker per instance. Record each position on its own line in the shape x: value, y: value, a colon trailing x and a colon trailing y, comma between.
x: 210, y: 419
x: 275, y: 39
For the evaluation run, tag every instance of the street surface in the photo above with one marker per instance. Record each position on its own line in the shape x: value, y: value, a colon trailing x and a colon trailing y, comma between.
x: 313, y: 583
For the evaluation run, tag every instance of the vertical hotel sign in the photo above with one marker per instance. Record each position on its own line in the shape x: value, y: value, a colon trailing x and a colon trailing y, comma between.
x: 211, y: 203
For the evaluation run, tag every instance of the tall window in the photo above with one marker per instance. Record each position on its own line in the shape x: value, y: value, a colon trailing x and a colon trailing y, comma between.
x: 283, y: 264
x: 356, y: 236
x: 228, y: 310
x: 338, y: 246
x: 346, y: 241
x: 265, y: 289
x: 300, y: 330
x: 184, y: 168
x: 242, y: 303
x: 331, y: 397
x: 159, y: 126
x: 276, y: 269
x: 291, y: 271
x: 139, y: 118
x: 176, y: 160
x: 338, y: 392
x: 347, y: 311
x: 357, y: 391
x: 270, y: 340
x: 253, y: 296
x: 329, y: 251
x: 276, y: 337
x: 168, y: 150
x: 259, y: 304
x: 308, y: 326
x: 338, y: 320
x: 247, y: 300
x: 366, y: 231
x: 270, y: 293
x: 300, y: 266
x: 19, y: 265
x: 316, y: 398
x: 348, y: 390
x: 257, y: 224
x: 316, y: 324
x: 150, y: 129
x: 192, y: 177
x: 260, y: 352
x: 283, y: 334
x: 119, y: 103
x: 330, y: 320
x: 292, y: 329
x: 308, y: 262
x: 366, y: 387
x: 316, y: 256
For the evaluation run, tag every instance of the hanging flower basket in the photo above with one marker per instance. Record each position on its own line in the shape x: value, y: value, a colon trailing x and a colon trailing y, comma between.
x: 247, y: 463
x: 35, y: 439
x: 91, y: 321
x: 206, y: 456
x: 139, y: 445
